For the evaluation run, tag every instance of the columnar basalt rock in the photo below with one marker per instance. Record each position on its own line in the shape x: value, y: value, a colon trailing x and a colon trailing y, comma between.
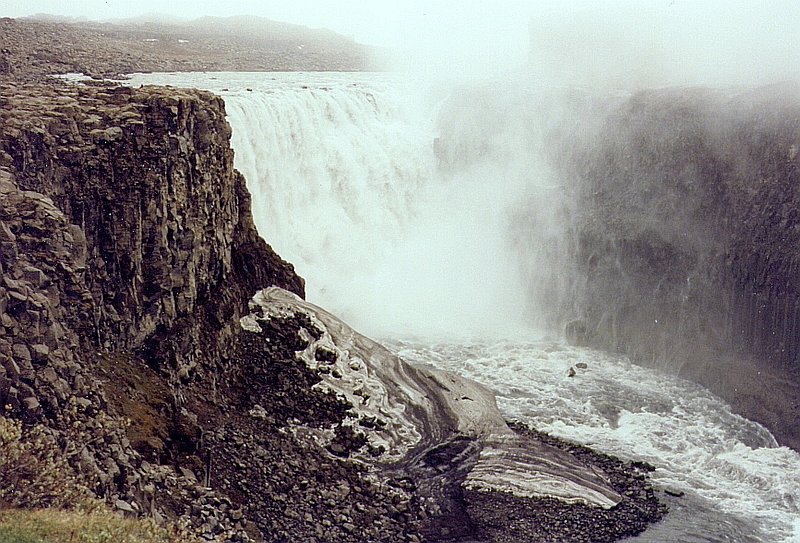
x: 42, y: 282
x: 125, y: 230
x: 687, y: 241
x: 147, y: 178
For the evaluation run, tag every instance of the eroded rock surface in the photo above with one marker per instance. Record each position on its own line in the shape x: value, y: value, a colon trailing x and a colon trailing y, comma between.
x: 123, y: 221
x: 444, y: 435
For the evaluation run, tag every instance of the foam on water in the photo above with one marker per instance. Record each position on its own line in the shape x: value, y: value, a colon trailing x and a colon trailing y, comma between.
x: 733, y: 466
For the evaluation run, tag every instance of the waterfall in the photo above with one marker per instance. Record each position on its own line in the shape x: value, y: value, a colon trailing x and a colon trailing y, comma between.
x: 404, y: 215
x: 512, y: 206
x: 436, y: 215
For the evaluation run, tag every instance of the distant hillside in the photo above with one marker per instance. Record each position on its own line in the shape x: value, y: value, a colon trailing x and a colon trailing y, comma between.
x: 48, y: 18
x: 41, y: 45
x: 146, y: 18
x: 259, y: 27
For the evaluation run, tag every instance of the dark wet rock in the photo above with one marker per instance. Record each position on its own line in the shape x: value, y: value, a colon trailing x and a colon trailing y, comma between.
x: 460, y: 468
x: 111, y: 246
x: 687, y: 241
x: 6, y: 67
x: 509, y: 519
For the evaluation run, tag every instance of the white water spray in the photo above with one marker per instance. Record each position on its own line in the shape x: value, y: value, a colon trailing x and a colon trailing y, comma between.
x: 346, y: 186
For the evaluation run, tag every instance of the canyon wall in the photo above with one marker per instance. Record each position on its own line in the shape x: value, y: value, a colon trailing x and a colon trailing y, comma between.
x: 663, y: 224
x: 687, y: 235
x: 127, y: 251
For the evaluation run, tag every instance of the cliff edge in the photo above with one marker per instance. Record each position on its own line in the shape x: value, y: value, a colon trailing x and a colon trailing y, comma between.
x: 126, y: 238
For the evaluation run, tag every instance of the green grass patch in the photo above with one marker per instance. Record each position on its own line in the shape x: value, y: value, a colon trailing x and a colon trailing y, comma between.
x: 59, y: 526
x: 12, y: 535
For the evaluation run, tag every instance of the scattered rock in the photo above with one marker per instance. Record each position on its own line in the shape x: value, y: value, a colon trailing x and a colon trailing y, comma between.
x: 31, y: 403
x: 124, y: 506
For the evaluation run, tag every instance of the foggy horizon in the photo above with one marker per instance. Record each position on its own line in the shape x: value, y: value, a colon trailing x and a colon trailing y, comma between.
x: 619, y: 44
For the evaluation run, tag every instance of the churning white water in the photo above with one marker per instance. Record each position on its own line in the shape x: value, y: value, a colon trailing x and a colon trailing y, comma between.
x: 421, y: 246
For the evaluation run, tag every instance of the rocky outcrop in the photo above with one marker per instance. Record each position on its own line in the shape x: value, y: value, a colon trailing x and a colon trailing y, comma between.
x: 41, y: 261
x: 5, y: 62
x: 416, y: 410
x: 183, y: 225
x: 440, y: 439
x: 123, y: 224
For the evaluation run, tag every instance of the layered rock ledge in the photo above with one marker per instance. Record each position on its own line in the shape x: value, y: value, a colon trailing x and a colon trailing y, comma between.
x: 442, y: 436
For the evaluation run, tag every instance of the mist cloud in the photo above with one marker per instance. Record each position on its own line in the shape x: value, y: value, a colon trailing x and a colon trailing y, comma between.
x: 635, y: 44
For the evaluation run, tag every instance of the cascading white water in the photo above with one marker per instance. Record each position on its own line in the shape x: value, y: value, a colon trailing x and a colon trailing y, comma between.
x: 739, y: 485
x: 345, y: 182
x: 345, y: 186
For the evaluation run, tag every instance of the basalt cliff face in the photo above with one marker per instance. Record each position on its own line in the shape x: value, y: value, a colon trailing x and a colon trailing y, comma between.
x: 162, y: 218
x: 123, y: 224
x: 687, y: 235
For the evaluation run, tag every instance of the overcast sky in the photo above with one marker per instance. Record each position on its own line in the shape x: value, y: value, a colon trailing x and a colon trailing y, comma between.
x: 646, y: 41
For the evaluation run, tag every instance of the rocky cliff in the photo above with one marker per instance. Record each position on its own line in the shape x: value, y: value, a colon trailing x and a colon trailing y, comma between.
x: 662, y: 224
x: 123, y: 223
x: 688, y: 232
